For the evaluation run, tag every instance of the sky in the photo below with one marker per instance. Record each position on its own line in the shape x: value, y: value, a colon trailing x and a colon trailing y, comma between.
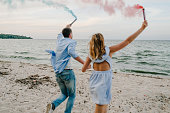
x: 40, y: 20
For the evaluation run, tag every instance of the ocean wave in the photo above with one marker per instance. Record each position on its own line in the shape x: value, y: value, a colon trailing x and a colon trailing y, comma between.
x: 147, y: 63
x: 122, y: 58
x: 22, y: 52
x: 144, y: 54
x: 149, y: 51
x: 145, y: 72
x: 120, y: 61
x: 22, y: 57
x: 114, y: 58
x: 168, y: 71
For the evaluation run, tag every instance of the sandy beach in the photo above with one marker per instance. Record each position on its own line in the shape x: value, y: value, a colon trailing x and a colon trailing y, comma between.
x: 27, y: 88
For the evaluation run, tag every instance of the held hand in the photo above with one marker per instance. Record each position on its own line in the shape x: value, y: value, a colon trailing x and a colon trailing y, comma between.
x: 89, y: 67
x: 145, y: 24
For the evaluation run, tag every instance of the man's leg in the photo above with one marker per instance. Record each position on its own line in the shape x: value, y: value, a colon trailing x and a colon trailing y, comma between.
x: 63, y: 95
x: 71, y: 90
x: 51, y: 107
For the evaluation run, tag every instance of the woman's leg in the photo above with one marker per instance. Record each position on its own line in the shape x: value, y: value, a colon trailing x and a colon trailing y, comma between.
x: 101, y: 108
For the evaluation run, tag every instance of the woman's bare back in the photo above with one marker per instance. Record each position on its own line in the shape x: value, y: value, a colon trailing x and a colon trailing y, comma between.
x: 103, y: 66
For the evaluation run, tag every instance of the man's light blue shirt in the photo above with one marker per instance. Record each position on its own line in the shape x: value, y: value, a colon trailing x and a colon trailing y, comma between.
x: 64, y: 51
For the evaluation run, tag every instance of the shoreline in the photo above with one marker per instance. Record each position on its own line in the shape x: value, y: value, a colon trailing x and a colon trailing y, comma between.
x: 27, y: 88
x: 126, y: 73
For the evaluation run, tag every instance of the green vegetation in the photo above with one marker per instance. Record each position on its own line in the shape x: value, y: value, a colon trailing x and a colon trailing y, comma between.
x: 10, y: 36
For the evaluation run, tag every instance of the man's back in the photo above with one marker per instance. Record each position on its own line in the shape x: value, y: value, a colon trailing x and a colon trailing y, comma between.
x: 64, y: 51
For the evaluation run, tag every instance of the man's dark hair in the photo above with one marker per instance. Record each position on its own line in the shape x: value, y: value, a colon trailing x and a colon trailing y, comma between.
x: 66, y: 32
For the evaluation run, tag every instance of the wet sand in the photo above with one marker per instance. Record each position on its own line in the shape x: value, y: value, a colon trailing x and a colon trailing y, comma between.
x: 27, y: 88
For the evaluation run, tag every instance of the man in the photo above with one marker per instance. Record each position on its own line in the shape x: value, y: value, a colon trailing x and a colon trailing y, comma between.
x: 64, y: 74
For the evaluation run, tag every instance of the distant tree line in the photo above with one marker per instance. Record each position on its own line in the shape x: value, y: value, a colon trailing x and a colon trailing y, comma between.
x: 10, y: 36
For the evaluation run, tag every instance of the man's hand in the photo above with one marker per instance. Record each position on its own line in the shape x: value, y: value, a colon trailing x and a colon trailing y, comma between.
x: 68, y: 26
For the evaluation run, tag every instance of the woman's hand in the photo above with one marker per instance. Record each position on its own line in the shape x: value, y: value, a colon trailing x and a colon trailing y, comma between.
x: 89, y: 67
x: 86, y: 64
x: 144, y: 25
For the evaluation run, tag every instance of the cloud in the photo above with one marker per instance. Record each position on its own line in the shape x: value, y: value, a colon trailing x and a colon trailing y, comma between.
x: 38, y: 20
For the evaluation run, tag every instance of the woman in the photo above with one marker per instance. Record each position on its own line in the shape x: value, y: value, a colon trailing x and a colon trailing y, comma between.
x: 101, y: 78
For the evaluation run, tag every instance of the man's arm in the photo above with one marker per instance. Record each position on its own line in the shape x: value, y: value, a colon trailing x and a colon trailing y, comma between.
x: 79, y: 60
x: 60, y: 36
x: 71, y: 52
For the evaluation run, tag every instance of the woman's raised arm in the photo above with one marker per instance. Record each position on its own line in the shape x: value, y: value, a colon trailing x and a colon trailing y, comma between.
x: 128, y: 40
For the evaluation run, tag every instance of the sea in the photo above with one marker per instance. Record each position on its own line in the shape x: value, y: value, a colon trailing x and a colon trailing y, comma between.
x: 141, y: 57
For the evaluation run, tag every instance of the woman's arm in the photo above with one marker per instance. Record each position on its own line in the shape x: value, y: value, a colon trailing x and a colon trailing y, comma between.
x: 128, y: 40
x: 86, y: 64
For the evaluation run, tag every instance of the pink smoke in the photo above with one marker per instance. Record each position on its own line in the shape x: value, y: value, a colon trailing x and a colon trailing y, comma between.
x: 130, y: 11
x: 138, y: 6
x: 111, y: 7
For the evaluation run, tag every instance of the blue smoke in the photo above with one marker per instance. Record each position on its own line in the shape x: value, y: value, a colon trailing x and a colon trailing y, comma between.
x: 50, y: 3
x: 47, y: 2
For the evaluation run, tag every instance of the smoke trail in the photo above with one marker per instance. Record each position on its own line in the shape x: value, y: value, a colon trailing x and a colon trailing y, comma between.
x: 50, y: 3
x: 131, y: 11
x: 47, y: 2
x: 111, y: 7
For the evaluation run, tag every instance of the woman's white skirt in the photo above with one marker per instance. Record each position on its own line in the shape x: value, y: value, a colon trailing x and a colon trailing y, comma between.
x: 100, y: 86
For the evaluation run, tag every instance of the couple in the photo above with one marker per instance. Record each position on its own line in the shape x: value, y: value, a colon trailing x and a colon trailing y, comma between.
x: 101, y: 78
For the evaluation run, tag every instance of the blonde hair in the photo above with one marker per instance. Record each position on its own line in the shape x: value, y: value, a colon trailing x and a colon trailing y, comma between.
x: 97, y: 47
